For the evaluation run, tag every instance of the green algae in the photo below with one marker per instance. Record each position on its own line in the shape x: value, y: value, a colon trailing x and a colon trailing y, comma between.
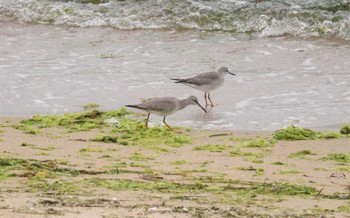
x: 344, y: 208
x: 303, y: 154
x: 118, y: 185
x: 62, y: 162
x: 178, y: 162
x: 68, y: 10
x: 249, y: 156
x: 49, y: 148
x: 136, y: 135
x: 257, y: 143
x: 127, y: 129
x: 91, y: 149
x: 12, y: 167
x: 211, y: 148
x: 258, y: 171
x: 340, y: 158
x: 91, y: 106
x: 38, y: 183
x: 136, y: 156
x: 240, y: 188
x: 290, y: 171
x: 27, y: 129
x: 292, y: 133
x: 279, y: 163
x: 75, y: 122
x: 345, y: 129
x: 106, y: 139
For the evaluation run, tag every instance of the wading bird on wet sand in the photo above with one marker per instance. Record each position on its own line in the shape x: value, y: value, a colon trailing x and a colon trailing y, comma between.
x: 166, y: 106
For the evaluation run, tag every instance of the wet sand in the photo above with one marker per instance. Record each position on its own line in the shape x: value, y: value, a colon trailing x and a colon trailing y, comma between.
x: 56, y: 173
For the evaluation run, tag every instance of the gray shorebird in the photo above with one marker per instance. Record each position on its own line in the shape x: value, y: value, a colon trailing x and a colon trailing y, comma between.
x: 166, y: 106
x: 206, y: 82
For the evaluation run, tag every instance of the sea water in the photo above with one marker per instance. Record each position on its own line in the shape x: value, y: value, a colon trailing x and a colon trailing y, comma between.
x: 291, y: 58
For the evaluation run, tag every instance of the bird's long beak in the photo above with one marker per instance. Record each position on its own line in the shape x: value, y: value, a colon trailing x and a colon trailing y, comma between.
x: 201, y: 107
x: 232, y: 74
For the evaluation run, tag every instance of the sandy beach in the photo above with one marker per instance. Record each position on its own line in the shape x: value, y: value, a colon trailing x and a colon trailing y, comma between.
x: 275, y: 145
x: 51, y: 168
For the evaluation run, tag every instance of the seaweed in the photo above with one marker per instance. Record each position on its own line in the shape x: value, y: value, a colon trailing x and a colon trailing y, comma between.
x: 294, y: 133
x: 211, y: 148
x: 345, y: 129
x: 303, y: 154
x: 340, y: 158
x: 74, y: 122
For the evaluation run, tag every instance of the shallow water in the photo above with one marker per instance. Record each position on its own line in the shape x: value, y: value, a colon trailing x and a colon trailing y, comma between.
x: 302, y: 18
x: 280, y: 81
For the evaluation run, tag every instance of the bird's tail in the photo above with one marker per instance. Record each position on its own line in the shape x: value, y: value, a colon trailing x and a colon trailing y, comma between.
x: 178, y: 80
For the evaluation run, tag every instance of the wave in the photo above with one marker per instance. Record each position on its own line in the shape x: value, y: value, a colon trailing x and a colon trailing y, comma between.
x: 302, y: 18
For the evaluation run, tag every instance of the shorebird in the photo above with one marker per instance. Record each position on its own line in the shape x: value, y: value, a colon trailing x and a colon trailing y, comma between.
x: 166, y: 106
x: 206, y: 82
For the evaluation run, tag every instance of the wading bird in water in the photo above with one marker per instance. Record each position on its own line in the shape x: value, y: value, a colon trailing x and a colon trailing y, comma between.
x: 206, y: 82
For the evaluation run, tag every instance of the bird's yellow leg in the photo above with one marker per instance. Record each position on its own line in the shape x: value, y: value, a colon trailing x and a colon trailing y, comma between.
x: 167, y: 124
x: 205, y: 98
x: 212, y: 104
x: 147, y: 120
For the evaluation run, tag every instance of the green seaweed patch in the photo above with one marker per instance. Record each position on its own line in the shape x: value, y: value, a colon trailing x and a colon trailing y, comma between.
x: 49, y: 148
x: 344, y: 169
x: 107, y: 56
x: 91, y: 106
x: 93, y: 1
x: 279, y: 163
x: 303, y: 154
x: 292, y: 133
x: 258, y: 143
x: 75, y: 122
x: 68, y: 10
x: 249, y: 156
x: 62, y: 162
x: 344, y: 208
x: 159, y: 186
x: 258, y: 171
x: 240, y: 188
x: 239, y: 139
x: 178, y: 162
x: 91, y: 149
x: 276, y: 188
x: 345, y: 129
x: 328, y: 135
x: 106, y: 139
x: 340, y: 158
x: 27, y: 129
x: 136, y: 156
x: 290, y: 171
x: 39, y: 184
x: 30, y: 168
x: 137, y: 135
x: 211, y: 148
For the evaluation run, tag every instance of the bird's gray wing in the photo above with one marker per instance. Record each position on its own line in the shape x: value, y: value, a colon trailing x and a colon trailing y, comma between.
x: 202, y: 79
x: 160, y: 104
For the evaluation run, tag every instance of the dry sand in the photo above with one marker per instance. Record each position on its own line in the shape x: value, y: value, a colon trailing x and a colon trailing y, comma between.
x: 197, y: 183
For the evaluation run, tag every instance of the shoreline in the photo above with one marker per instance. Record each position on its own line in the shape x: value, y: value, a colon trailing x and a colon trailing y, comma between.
x: 71, y: 170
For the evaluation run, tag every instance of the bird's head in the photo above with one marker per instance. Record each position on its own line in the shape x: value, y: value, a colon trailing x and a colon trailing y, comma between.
x: 224, y: 71
x: 194, y: 101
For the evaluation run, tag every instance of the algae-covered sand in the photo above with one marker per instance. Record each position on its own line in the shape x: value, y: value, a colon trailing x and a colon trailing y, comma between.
x: 106, y: 164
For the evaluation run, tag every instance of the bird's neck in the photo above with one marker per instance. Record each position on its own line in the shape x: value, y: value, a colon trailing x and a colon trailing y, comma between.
x: 184, y: 103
